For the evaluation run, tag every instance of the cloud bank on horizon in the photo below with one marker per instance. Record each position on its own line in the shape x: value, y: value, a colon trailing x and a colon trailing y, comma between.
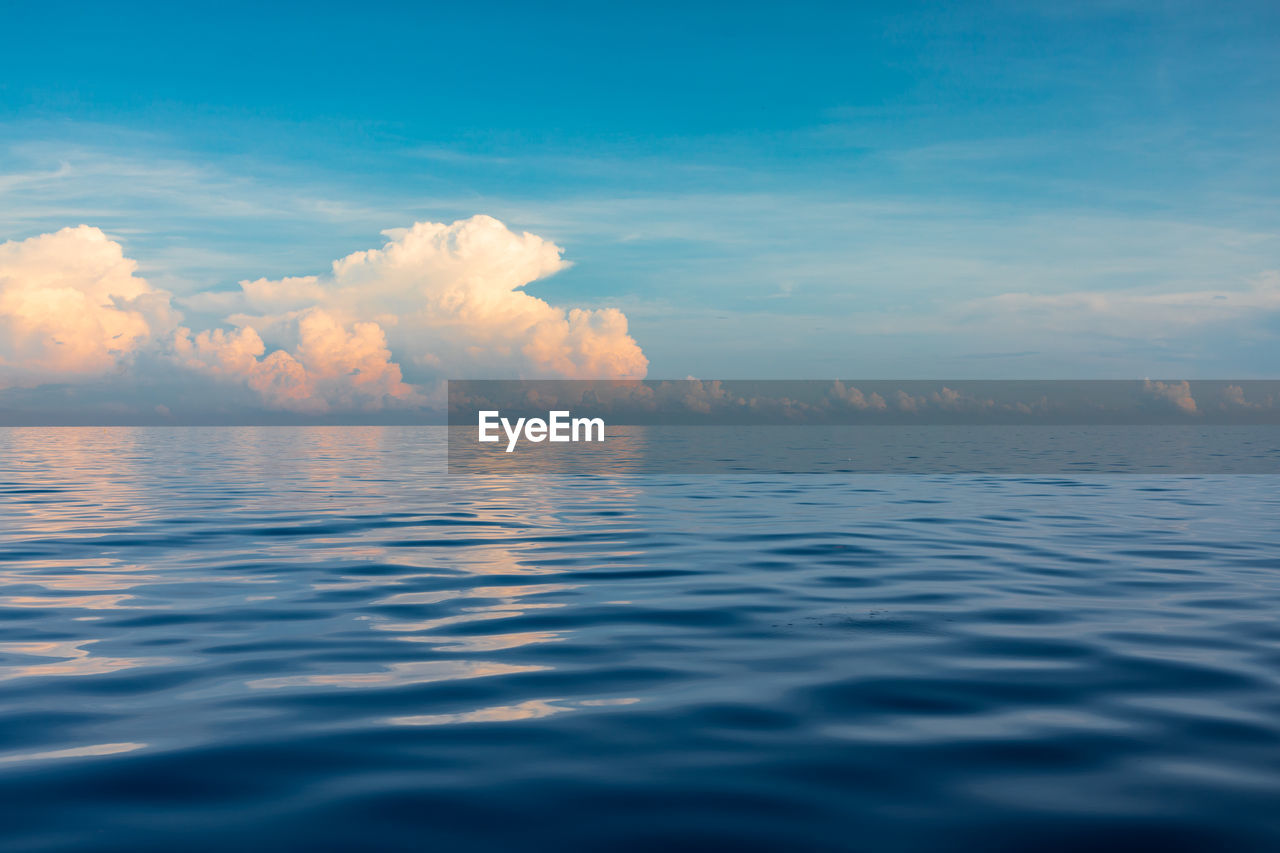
x: 379, y: 332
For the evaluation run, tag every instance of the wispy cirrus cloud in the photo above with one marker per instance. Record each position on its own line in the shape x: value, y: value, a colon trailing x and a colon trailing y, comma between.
x: 1137, y: 312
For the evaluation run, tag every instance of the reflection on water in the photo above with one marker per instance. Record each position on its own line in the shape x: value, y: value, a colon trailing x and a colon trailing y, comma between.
x: 67, y: 602
x: 396, y: 674
x: 75, y: 659
x: 486, y: 643
x: 506, y: 594
x: 73, y: 752
x: 531, y: 710
x: 239, y: 636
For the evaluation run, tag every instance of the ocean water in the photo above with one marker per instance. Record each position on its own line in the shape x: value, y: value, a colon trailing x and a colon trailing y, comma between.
x: 287, y: 638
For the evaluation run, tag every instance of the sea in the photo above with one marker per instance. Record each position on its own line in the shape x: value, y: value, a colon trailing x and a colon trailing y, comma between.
x: 279, y: 638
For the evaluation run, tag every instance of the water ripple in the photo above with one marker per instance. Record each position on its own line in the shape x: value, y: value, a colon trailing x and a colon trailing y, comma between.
x: 313, y: 637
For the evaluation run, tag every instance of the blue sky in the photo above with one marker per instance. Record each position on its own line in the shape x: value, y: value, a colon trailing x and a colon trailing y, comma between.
x: 1083, y: 190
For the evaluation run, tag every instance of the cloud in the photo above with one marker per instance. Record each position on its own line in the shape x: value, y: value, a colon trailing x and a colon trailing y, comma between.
x: 1132, y: 312
x: 71, y: 308
x: 437, y: 301
x: 450, y: 300
x: 853, y: 398
x: 330, y: 367
x: 1174, y: 394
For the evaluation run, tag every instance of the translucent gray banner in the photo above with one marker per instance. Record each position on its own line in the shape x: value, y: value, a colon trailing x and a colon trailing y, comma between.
x: 882, y: 427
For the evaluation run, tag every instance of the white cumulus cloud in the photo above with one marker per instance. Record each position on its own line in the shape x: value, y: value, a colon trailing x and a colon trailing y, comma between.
x: 379, y: 330
x: 71, y: 307
x: 450, y: 300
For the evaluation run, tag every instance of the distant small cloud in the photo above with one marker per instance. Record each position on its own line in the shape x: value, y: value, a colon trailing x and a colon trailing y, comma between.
x: 786, y: 290
x: 1175, y: 394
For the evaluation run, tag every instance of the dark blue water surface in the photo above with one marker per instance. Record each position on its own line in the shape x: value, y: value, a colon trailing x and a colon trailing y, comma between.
x: 277, y: 638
